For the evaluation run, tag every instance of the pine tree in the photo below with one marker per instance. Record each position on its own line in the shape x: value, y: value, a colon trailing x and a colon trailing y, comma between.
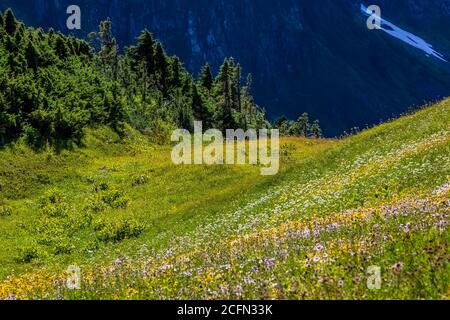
x: 315, y: 129
x: 303, y: 124
x: 206, y: 78
x: 109, y: 49
x: 145, y: 51
x: 224, y: 82
x: 176, y: 67
x: 283, y: 125
x: 201, y: 112
x: 1, y: 20
x: 236, y: 88
x: 61, y: 47
x: 161, y: 67
x: 32, y: 56
x: 10, y: 22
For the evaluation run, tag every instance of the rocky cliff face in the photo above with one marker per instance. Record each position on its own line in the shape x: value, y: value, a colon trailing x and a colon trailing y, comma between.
x: 314, y: 56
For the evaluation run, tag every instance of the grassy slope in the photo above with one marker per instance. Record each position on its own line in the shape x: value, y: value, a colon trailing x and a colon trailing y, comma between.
x: 337, y: 207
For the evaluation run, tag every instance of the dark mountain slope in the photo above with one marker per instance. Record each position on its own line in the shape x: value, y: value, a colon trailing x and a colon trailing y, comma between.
x: 315, y: 56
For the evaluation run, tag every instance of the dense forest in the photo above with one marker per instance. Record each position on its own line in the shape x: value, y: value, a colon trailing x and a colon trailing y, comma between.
x: 53, y: 86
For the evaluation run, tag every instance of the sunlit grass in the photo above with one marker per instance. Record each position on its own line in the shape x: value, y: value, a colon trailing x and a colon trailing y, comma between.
x: 377, y: 198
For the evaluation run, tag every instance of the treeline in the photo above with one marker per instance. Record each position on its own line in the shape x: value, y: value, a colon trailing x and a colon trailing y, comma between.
x: 302, y: 127
x: 53, y: 86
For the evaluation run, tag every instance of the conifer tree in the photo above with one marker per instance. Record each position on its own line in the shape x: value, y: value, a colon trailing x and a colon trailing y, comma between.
x: 10, y: 22
x: 1, y: 20
x: 61, y: 47
x: 199, y: 108
x: 236, y: 88
x: 225, y: 109
x: 176, y: 66
x: 144, y: 51
x: 315, y: 129
x: 161, y: 67
x: 206, y: 78
x: 109, y: 49
x: 224, y: 82
x: 32, y: 56
x: 303, y: 124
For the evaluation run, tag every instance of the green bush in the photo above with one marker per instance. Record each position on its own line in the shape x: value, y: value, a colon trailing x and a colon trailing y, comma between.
x: 95, y: 204
x: 115, y: 199
x: 117, y: 231
x: 53, y: 204
x: 63, y: 246
x: 140, y: 180
x: 27, y: 254
x: 5, y: 211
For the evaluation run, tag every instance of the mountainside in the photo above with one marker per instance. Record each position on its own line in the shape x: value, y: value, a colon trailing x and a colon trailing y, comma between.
x: 141, y: 228
x: 314, y: 56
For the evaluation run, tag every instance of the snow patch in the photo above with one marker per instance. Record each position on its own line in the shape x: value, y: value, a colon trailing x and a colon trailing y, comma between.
x: 405, y: 36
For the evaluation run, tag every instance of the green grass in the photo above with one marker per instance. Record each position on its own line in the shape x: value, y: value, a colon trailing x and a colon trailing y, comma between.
x: 140, y: 227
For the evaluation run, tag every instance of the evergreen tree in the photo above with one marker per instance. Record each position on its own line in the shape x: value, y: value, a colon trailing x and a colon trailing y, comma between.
x: 236, y: 88
x: 176, y: 66
x: 283, y: 125
x: 161, y: 67
x: 18, y: 36
x: 10, y: 22
x: 109, y: 49
x: 32, y: 56
x: 206, y: 78
x: 61, y: 47
x: 183, y: 112
x: 199, y: 108
x: 303, y: 124
x: 144, y: 51
x: 315, y: 130
x: 225, y: 110
x: 51, y: 33
x: 1, y: 20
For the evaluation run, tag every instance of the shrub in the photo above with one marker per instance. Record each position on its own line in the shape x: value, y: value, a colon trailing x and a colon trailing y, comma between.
x: 27, y: 254
x: 62, y: 246
x: 140, y: 180
x: 5, y: 211
x: 115, y: 199
x: 117, y: 231
x: 95, y: 204
x: 53, y: 204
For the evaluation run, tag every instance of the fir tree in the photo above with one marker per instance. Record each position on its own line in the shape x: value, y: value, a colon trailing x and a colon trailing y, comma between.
x: 303, y: 124
x: 315, y: 130
x: 206, y: 78
x: 161, y: 67
x: 199, y: 108
x: 225, y: 110
x: 109, y: 48
x: 236, y: 88
x: 32, y: 56
x: 176, y: 66
x: 10, y: 22
x: 144, y: 51
x: 61, y: 48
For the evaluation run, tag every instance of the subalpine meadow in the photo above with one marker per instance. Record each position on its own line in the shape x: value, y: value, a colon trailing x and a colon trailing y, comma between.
x: 87, y: 180
x: 138, y: 230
